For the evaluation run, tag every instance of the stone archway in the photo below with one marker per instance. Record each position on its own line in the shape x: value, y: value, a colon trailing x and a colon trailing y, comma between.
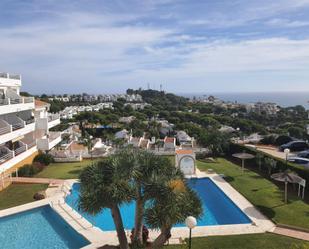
x: 187, y: 165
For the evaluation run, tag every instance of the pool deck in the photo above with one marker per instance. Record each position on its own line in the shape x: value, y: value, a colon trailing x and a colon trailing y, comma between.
x: 56, y: 199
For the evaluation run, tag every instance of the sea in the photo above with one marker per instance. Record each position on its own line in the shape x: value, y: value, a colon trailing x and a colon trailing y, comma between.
x: 284, y: 99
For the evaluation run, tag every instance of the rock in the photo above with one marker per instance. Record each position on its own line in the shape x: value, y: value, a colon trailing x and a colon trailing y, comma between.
x: 39, y: 195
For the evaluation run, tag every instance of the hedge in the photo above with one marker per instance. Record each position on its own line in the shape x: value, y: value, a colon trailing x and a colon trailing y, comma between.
x: 281, y: 164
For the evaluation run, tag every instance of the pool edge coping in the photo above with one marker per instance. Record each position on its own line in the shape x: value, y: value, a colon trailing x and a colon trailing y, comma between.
x: 98, y: 237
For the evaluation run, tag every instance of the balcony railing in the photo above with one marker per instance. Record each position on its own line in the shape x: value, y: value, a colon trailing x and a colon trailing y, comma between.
x: 53, y: 117
x: 21, y: 149
x: 30, y: 121
x: 4, y: 101
x: 10, y: 76
x: 5, y: 130
x: 16, y: 101
x: 17, y: 126
x: 13, y: 101
x: 28, y: 100
x: 5, y: 155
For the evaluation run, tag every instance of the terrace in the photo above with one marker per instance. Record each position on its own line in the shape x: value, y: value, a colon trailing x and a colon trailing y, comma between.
x: 13, y: 126
x: 50, y: 141
x: 20, y: 151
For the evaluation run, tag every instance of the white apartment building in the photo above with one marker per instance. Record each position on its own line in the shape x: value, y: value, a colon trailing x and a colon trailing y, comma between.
x: 24, y: 125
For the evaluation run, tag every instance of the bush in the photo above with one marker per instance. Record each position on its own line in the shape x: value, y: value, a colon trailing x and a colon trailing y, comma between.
x: 268, y: 140
x: 283, y: 139
x: 281, y: 164
x: 44, y: 159
x: 28, y: 170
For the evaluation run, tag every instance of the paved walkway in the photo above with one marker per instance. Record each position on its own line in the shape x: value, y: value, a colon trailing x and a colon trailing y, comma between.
x: 37, y: 180
x: 291, y: 233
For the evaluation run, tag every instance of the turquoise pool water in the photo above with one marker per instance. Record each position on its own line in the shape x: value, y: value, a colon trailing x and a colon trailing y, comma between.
x: 39, y: 228
x: 218, y: 208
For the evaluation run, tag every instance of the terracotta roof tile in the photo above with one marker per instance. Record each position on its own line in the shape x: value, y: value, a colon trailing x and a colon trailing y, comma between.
x: 40, y: 103
x: 169, y: 140
x: 183, y: 152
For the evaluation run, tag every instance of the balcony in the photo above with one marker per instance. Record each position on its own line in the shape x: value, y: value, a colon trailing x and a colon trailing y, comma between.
x: 49, y: 141
x: 53, y: 120
x: 5, y: 154
x: 9, y: 105
x: 9, y: 158
x: 14, y: 127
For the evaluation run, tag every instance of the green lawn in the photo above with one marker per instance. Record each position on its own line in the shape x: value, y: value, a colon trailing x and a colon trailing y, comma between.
x: 63, y: 170
x: 262, y: 193
x: 18, y: 194
x: 255, y: 241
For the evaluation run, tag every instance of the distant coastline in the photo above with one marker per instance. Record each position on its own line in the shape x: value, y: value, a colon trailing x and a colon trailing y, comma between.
x: 283, y: 99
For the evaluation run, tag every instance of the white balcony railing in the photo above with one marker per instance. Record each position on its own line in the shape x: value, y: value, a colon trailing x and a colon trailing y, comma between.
x: 54, y: 135
x: 18, y: 126
x: 5, y: 154
x: 14, y: 101
x: 28, y: 99
x: 10, y: 76
x: 52, y: 117
x: 4, y: 101
x: 22, y: 148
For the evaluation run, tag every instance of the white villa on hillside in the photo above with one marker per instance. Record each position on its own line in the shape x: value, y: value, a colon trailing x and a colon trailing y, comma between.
x: 24, y: 126
x: 185, y: 140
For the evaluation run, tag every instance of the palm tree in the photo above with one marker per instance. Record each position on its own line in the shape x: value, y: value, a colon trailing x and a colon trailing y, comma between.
x: 174, y: 202
x: 140, y: 176
x: 104, y: 185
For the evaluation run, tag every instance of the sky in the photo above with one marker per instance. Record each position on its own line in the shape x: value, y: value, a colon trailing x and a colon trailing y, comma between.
x: 188, y: 46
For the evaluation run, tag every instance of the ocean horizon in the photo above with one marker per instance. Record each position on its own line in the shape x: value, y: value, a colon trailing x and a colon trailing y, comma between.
x: 284, y: 99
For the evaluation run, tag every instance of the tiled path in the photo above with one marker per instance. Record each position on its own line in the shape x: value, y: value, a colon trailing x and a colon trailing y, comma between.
x: 291, y: 233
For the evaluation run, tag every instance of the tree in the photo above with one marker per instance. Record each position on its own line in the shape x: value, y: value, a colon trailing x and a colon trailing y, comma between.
x: 215, y: 141
x: 271, y: 164
x: 175, y: 202
x: 140, y: 176
x: 259, y: 159
x: 104, y: 185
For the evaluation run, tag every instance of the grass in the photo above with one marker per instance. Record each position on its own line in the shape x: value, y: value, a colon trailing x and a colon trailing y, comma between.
x: 254, y: 241
x: 263, y: 194
x: 18, y: 194
x: 63, y: 170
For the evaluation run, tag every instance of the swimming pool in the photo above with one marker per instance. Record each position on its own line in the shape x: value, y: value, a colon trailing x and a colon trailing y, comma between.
x: 218, y: 208
x: 38, y: 228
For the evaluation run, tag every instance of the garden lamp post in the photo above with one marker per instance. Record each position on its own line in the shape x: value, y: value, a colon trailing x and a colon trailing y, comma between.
x: 190, y: 223
x: 90, y: 145
x: 238, y: 134
x: 286, y: 152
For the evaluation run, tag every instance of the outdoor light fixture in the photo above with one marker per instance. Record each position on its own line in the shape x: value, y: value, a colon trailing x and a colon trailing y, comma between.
x: 190, y: 223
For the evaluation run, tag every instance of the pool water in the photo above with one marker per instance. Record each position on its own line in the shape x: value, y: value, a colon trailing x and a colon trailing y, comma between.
x: 218, y: 208
x: 38, y: 228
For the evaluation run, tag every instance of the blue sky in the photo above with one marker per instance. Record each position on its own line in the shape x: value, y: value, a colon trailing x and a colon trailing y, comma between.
x: 106, y: 46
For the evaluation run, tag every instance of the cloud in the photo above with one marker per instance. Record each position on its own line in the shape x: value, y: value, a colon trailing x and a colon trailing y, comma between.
x: 111, y: 45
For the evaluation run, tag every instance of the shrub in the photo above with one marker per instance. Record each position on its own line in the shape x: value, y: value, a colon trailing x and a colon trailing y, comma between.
x: 283, y: 139
x: 28, y: 170
x: 268, y: 140
x: 281, y: 164
x: 44, y: 159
